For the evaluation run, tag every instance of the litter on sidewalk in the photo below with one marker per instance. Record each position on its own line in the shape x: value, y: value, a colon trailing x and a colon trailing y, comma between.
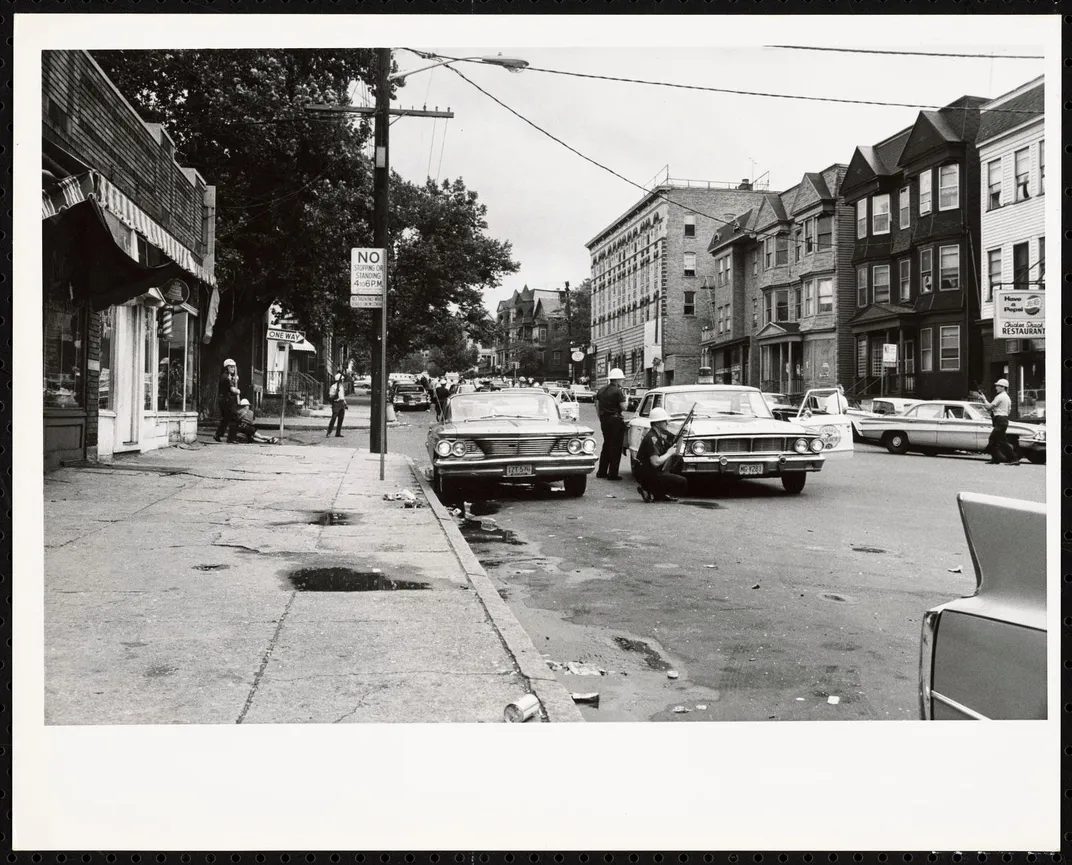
x: 591, y: 699
x: 521, y: 709
x: 407, y: 497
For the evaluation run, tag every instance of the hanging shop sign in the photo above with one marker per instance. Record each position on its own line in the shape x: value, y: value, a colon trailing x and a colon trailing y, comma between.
x: 1019, y: 314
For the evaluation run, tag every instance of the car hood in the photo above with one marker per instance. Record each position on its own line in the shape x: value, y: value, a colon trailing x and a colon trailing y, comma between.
x: 735, y: 425
x: 510, y: 426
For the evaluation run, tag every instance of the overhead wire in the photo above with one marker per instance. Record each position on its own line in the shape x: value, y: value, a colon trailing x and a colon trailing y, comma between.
x: 909, y: 53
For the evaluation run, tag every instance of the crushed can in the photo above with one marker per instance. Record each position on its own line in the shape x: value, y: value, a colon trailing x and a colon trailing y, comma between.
x: 523, y: 708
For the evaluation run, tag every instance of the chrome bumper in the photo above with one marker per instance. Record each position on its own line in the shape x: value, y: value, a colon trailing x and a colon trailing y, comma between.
x: 495, y: 467
x: 772, y: 465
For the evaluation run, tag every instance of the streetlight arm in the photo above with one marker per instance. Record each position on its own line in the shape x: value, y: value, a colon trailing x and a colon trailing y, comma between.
x: 512, y: 63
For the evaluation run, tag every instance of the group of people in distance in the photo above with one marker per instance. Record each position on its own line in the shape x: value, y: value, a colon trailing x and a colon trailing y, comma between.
x: 236, y: 414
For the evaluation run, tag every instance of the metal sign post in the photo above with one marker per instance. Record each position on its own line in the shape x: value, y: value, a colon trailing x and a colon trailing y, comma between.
x: 368, y: 290
x: 383, y: 367
x: 283, y: 401
x: 287, y: 337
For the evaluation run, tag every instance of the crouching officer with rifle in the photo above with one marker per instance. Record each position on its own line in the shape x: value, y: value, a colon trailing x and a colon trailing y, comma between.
x: 659, y: 460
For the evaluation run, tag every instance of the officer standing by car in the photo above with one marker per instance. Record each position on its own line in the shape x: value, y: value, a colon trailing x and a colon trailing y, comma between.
x: 998, y: 445
x: 610, y: 403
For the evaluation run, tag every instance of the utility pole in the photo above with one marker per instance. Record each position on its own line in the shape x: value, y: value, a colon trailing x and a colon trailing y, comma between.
x: 569, y: 333
x: 378, y: 430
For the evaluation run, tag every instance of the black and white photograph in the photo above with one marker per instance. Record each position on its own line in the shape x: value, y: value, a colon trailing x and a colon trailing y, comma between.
x: 676, y: 386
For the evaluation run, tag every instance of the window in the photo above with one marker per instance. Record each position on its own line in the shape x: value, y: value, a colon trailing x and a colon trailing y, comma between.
x: 690, y: 264
x: 1042, y: 167
x: 949, y: 336
x: 556, y: 357
x: 1020, y: 162
x: 949, y: 265
x: 993, y: 270
x: 794, y: 304
x: 904, y: 278
x: 690, y: 303
x: 993, y: 184
x: 177, y: 343
x: 924, y: 192
x: 64, y: 341
x: 926, y: 351
x: 949, y: 187
x: 104, y: 382
x: 826, y: 295
x: 876, y: 357
x: 755, y: 262
x: 861, y: 287
x: 1042, y: 262
x: 861, y: 355
x: 798, y: 244
x: 826, y: 232
x: 926, y: 271
x: 881, y: 279
x: 768, y: 305
x: 909, y: 357
x: 690, y: 225
x: 755, y: 312
x: 809, y: 297
x: 781, y: 249
x: 809, y: 236
x: 861, y: 218
x: 1020, y: 268
x: 904, y: 202
x: 768, y: 253
x: 880, y: 214
x: 781, y: 305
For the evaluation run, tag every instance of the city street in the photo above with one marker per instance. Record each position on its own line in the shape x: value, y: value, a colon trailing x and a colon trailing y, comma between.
x: 765, y: 605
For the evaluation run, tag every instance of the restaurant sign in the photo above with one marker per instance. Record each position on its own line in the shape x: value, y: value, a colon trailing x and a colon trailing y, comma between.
x: 1019, y: 314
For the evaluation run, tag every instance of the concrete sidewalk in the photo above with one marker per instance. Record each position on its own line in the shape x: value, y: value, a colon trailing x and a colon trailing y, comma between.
x: 172, y: 595
x: 358, y: 416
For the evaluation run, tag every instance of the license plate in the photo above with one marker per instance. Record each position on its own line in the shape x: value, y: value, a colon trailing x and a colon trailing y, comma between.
x: 750, y: 469
x: 518, y: 471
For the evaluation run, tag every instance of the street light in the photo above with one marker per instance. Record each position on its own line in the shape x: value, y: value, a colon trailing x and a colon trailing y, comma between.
x: 513, y: 64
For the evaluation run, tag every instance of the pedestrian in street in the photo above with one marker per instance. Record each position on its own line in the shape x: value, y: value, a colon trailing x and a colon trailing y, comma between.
x: 836, y: 402
x: 227, y: 396
x: 610, y: 403
x: 337, y: 395
x: 442, y: 394
x: 999, y: 447
x: 657, y: 481
x: 247, y: 426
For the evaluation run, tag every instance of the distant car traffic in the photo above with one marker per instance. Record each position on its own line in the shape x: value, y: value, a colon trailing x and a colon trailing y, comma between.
x: 410, y: 396
x: 508, y: 436
x: 583, y: 393
x: 984, y: 657
x: 633, y: 396
x: 943, y: 426
x: 733, y: 433
x: 567, y: 402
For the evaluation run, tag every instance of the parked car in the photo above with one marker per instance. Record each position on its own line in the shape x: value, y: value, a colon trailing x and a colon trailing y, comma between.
x: 943, y: 426
x: 410, y: 396
x: 462, y: 387
x: 509, y: 436
x: 733, y: 433
x: 633, y: 397
x: 984, y: 656
x: 568, y: 406
x: 583, y: 393
x: 891, y: 405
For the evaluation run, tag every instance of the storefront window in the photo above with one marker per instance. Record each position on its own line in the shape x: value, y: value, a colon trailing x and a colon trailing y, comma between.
x: 104, y: 383
x: 149, y: 374
x: 176, y: 384
x: 64, y: 352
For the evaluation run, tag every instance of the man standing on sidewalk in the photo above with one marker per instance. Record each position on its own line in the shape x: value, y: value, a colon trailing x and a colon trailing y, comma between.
x: 337, y: 395
x: 610, y: 403
x: 998, y: 445
x: 227, y: 396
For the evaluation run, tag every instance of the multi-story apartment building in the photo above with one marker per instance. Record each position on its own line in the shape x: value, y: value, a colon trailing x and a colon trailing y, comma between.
x: 916, y: 197
x: 782, y: 285
x: 1012, y: 255
x: 648, y: 269
x: 533, y: 318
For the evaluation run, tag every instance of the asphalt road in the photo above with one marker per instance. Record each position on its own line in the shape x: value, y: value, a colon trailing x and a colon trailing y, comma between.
x: 745, y: 603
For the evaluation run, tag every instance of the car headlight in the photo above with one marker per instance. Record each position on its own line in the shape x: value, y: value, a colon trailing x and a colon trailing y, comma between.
x: 830, y: 435
x: 442, y: 448
x: 801, y: 446
x: 1040, y: 436
x: 698, y: 447
x: 817, y: 445
x: 459, y: 449
x: 574, y: 446
x: 589, y: 446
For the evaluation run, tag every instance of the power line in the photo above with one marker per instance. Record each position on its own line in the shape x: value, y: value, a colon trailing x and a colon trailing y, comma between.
x: 910, y: 53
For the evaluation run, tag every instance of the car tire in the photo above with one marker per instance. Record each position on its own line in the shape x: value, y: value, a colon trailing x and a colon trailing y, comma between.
x: 575, y: 485
x: 896, y: 442
x: 793, y: 482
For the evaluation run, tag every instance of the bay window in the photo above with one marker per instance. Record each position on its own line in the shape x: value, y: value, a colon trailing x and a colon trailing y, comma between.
x: 861, y: 286
x: 880, y: 214
x: 826, y: 295
x: 949, y: 264
x: 781, y: 249
x: 924, y: 192
x: 781, y: 305
x: 904, y: 203
x: 826, y: 232
x: 904, y: 270
x: 926, y: 271
x: 949, y: 337
x: 809, y: 297
x: 861, y: 218
x: 880, y: 276
x: 949, y: 187
x: 809, y: 236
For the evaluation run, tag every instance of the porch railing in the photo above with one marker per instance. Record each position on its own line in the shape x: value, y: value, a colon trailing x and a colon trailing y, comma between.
x: 888, y: 384
x: 300, y: 385
x: 782, y: 385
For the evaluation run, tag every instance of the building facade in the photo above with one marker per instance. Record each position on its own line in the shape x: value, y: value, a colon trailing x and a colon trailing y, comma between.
x: 916, y: 199
x: 782, y: 285
x: 533, y: 335
x: 127, y: 272
x: 648, y: 271
x: 1012, y: 254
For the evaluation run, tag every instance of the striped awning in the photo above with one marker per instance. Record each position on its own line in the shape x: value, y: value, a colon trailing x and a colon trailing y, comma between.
x: 72, y: 190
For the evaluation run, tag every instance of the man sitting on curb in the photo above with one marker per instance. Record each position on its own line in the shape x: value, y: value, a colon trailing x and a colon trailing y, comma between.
x: 247, y: 428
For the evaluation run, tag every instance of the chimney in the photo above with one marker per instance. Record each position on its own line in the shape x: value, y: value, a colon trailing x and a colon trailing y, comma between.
x: 745, y: 184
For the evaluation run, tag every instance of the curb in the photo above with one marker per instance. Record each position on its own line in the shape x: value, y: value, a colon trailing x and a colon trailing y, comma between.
x: 557, y: 704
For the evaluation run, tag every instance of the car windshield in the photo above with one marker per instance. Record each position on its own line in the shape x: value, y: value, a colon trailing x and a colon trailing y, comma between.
x: 711, y: 403
x: 533, y: 404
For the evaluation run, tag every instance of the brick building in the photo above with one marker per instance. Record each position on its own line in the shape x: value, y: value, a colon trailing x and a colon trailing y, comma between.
x: 916, y: 196
x: 1012, y: 254
x: 649, y: 267
x: 127, y: 271
x: 773, y: 312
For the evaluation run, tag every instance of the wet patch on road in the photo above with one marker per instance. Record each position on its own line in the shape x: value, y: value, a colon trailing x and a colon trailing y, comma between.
x: 837, y: 598
x: 652, y: 658
x: 211, y: 567
x: 348, y: 580
x: 711, y: 506
x: 320, y: 518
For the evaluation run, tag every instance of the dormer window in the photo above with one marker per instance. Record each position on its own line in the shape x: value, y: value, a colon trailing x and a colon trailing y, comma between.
x: 880, y: 214
x: 925, y: 192
x: 949, y: 187
x: 861, y: 218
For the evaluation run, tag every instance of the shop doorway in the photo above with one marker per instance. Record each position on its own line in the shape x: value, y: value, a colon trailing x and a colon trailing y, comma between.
x: 128, y: 360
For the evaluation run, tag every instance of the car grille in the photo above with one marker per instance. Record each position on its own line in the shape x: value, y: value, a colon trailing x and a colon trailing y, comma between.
x: 751, y: 445
x: 538, y: 446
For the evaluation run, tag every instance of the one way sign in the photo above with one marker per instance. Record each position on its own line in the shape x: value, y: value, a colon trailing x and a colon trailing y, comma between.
x: 285, y: 335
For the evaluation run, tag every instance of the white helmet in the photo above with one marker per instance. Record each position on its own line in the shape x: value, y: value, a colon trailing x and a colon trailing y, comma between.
x: 1002, y: 382
x: 615, y: 373
x: 243, y: 402
x: 658, y: 414
x: 229, y: 362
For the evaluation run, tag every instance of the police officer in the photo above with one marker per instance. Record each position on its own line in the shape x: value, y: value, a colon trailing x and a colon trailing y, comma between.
x: 998, y: 444
x: 657, y: 480
x: 610, y: 403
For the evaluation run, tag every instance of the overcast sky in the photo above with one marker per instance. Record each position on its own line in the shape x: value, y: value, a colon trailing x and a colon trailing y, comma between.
x: 548, y: 202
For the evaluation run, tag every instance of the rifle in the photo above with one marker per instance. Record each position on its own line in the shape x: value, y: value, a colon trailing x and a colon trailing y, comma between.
x: 677, y: 460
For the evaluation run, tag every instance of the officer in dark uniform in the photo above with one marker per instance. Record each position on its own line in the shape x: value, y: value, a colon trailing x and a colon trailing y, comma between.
x: 610, y: 403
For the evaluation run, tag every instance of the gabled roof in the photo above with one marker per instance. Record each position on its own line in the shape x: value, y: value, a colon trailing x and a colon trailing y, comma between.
x: 880, y: 312
x: 812, y: 188
x: 1004, y: 114
x: 775, y: 329
x: 954, y: 124
x: 736, y: 230
x: 770, y: 211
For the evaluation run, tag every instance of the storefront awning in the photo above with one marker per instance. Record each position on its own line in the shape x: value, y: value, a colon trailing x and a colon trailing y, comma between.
x: 304, y: 345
